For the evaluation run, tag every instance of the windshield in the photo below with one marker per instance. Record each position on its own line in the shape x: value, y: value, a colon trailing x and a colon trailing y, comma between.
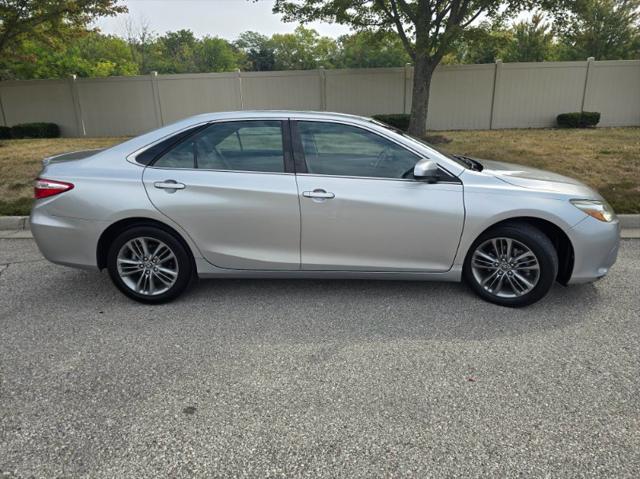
x: 461, y: 160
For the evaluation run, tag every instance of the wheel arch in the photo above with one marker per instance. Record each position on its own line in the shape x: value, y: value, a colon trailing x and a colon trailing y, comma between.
x: 113, y: 230
x: 561, y: 242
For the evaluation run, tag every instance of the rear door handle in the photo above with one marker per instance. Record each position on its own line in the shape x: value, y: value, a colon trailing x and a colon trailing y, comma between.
x: 318, y: 194
x: 169, y: 185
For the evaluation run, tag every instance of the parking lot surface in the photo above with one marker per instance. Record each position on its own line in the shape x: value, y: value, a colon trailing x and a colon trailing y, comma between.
x: 264, y: 378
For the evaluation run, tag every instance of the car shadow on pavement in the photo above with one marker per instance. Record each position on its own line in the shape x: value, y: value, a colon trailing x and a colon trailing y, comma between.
x: 302, y: 310
x: 299, y: 309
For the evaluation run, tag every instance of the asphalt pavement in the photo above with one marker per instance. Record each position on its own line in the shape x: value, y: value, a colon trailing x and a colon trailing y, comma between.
x: 307, y: 378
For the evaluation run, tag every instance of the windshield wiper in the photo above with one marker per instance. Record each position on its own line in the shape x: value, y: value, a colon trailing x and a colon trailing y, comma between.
x: 472, y: 164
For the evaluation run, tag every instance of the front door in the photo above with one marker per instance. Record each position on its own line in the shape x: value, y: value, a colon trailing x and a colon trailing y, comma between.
x: 361, y: 209
x: 226, y: 186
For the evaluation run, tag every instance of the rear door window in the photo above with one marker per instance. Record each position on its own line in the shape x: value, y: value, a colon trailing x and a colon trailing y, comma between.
x: 250, y: 145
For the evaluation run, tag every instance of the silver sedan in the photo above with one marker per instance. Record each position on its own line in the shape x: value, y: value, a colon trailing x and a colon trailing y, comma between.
x: 279, y: 194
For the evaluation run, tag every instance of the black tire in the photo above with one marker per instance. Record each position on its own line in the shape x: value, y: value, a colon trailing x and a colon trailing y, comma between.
x: 538, y: 243
x: 185, y: 269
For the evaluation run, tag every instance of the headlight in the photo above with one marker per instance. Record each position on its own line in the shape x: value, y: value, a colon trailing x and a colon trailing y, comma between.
x: 600, y: 210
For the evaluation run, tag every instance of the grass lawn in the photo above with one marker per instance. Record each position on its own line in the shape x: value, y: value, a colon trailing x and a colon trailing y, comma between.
x: 605, y: 158
x: 21, y: 160
x: 608, y: 159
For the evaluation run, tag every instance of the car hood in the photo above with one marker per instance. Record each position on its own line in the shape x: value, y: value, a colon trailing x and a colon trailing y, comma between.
x: 534, y: 178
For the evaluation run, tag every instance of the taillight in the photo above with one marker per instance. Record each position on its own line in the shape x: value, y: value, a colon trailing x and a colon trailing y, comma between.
x: 43, y: 188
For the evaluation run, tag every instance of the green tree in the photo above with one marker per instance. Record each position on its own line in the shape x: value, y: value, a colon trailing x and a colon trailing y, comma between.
x: 259, y: 54
x: 27, y: 19
x: 427, y: 29
x: 368, y: 49
x: 533, y: 41
x: 142, y: 43
x: 89, y: 55
x: 213, y: 54
x: 175, y: 53
x: 303, y: 49
x: 484, y: 43
x: 603, y: 29
x: 182, y: 52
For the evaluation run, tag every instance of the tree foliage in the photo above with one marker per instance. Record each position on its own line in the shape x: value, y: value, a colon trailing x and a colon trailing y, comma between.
x: 603, y: 29
x: 371, y: 50
x: 87, y: 55
x: 526, y: 41
x: 428, y: 30
x: 49, y: 19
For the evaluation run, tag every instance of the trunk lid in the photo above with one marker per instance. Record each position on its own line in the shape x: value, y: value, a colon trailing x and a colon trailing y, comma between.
x: 71, y: 156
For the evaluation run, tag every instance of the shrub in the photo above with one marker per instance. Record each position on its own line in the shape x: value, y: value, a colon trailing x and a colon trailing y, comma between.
x: 398, y: 120
x: 35, y: 130
x: 5, y: 132
x: 590, y: 118
x: 578, y: 119
x: 16, y: 207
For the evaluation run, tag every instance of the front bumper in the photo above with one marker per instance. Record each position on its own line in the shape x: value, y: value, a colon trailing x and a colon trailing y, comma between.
x: 595, y: 246
x: 66, y: 241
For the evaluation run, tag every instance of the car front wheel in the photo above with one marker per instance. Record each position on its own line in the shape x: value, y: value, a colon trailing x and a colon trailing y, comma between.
x: 511, y: 265
x: 149, y: 264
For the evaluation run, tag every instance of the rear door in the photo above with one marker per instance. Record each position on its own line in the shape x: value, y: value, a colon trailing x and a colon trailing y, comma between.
x: 363, y: 210
x: 229, y: 187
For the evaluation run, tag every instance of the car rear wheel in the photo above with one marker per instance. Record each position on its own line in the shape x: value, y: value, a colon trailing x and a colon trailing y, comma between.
x: 149, y: 264
x: 511, y: 265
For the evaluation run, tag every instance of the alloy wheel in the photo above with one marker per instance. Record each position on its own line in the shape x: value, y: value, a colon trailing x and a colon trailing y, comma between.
x: 147, y: 266
x: 505, y: 267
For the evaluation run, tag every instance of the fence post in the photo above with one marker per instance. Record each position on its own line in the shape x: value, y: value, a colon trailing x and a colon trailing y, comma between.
x: 239, y: 92
x: 155, y: 90
x: 323, y: 88
x: 77, y: 107
x: 494, y: 94
x: 406, y: 76
x: 3, y: 118
x: 587, y: 77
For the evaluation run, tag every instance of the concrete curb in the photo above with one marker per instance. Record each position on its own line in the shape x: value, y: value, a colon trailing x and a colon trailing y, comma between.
x: 629, y: 221
x: 16, y: 223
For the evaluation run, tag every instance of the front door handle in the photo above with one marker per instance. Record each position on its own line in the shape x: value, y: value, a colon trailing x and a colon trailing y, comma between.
x: 318, y: 194
x: 169, y: 185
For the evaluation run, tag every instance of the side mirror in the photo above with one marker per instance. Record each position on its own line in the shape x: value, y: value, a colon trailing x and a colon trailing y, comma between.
x: 426, y: 170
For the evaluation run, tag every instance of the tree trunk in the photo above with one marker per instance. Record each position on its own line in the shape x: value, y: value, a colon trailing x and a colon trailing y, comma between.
x: 422, y: 73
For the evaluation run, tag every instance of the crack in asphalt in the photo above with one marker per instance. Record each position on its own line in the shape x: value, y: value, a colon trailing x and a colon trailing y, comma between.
x: 21, y: 262
x: 5, y: 266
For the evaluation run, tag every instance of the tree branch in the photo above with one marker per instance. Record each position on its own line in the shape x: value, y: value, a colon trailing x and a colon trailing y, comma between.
x: 395, y: 17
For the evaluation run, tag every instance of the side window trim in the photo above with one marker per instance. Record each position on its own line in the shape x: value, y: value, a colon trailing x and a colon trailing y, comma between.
x: 184, y: 135
x: 289, y: 166
x: 301, y: 163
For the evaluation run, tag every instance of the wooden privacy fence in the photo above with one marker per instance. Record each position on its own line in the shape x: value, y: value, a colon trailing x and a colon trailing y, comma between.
x: 463, y: 97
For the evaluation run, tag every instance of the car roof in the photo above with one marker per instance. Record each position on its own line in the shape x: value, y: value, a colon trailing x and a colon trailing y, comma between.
x: 276, y: 114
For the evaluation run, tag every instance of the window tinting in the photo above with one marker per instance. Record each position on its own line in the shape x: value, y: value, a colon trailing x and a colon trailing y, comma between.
x: 236, y: 145
x: 337, y: 149
x: 150, y: 154
x: 181, y: 156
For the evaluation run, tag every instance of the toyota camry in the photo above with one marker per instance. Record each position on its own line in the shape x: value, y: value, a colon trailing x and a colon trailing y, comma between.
x: 280, y: 194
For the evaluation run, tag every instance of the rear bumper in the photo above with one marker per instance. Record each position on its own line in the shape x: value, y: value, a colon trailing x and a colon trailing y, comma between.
x: 595, y: 245
x: 66, y: 241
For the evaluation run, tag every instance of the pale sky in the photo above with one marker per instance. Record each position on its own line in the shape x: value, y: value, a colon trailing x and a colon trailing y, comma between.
x: 222, y: 18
